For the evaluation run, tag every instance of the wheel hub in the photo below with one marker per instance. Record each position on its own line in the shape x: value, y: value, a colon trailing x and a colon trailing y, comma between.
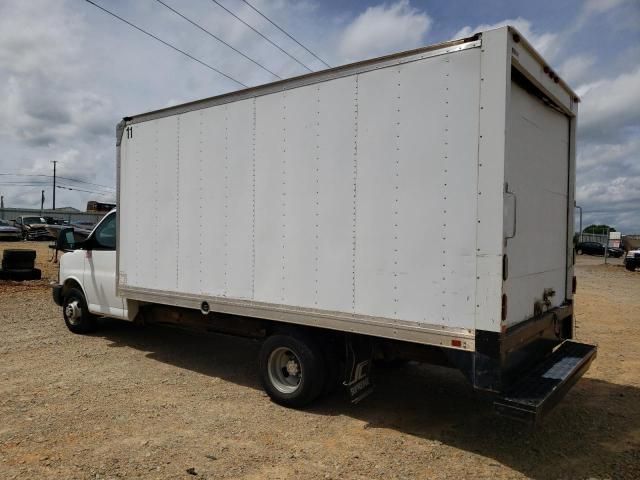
x: 73, y: 312
x: 285, y: 370
x: 292, y: 367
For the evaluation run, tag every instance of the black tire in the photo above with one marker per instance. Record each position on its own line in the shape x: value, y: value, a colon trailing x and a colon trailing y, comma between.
x: 20, y: 275
x: 18, y: 254
x: 17, y: 264
x: 80, y: 321
x: 630, y: 266
x: 307, y: 355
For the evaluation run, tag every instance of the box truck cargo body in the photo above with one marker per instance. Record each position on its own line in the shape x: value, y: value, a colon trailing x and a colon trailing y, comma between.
x: 419, y: 205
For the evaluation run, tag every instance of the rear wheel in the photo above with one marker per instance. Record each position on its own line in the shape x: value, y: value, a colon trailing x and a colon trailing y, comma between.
x: 292, y: 369
x: 76, y: 314
x: 579, y: 251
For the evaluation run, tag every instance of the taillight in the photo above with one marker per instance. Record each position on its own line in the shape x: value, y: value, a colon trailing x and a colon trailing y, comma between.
x: 574, y: 284
x: 504, y: 307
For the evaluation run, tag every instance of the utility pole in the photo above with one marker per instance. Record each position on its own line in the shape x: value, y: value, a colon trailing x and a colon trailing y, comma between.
x: 54, y: 183
x: 41, y: 202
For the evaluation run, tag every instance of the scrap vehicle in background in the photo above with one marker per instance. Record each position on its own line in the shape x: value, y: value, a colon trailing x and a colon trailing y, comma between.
x: 33, y: 228
x: 596, y: 248
x: 417, y: 206
x: 9, y: 232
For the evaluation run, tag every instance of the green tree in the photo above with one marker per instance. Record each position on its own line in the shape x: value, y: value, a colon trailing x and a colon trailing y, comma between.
x: 598, y: 229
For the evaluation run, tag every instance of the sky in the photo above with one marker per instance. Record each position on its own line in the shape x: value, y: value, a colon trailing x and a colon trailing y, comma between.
x: 69, y: 72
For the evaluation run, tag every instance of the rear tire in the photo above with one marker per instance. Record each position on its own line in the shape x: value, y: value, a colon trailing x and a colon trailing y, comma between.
x: 292, y: 369
x: 579, y: 251
x: 76, y: 313
x: 630, y: 266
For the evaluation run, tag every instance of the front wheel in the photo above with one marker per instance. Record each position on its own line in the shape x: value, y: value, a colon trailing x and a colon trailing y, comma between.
x: 292, y: 369
x: 76, y: 314
x: 579, y: 251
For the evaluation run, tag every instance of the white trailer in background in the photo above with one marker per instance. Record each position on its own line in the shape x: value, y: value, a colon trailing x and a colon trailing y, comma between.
x: 415, y: 206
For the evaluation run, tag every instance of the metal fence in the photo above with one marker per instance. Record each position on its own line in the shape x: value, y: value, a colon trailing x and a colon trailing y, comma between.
x: 592, y: 237
x: 71, y: 217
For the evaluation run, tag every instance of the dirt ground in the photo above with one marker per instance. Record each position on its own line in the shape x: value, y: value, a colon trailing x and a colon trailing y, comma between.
x: 134, y: 402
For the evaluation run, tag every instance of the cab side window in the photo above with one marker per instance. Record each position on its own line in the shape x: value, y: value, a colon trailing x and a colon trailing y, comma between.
x: 105, y: 235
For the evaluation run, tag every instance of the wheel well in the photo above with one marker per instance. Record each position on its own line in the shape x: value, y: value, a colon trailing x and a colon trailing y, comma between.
x: 69, y: 284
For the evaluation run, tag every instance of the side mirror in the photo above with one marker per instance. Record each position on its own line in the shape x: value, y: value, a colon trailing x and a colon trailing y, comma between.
x: 66, y: 240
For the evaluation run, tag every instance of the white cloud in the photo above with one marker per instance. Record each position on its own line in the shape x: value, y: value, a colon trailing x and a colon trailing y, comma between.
x: 545, y: 43
x: 576, y: 67
x: 68, y: 76
x: 600, y: 6
x: 610, y: 105
x: 598, y: 154
x: 619, y: 189
x: 384, y: 29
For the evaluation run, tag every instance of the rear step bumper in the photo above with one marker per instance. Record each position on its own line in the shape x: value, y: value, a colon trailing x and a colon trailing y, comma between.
x: 538, y: 391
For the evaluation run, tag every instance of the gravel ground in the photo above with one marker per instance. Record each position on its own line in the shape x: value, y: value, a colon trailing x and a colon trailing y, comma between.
x: 132, y: 402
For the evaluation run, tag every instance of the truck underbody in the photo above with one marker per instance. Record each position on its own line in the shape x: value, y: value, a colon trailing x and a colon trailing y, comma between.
x: 527, y: 369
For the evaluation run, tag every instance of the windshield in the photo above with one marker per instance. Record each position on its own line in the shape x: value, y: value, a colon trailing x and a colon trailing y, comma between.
x: 4, y: 223
x: 29, y: 220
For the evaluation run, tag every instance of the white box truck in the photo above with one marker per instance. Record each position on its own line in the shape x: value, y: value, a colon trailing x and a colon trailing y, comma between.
x: 417, y: 206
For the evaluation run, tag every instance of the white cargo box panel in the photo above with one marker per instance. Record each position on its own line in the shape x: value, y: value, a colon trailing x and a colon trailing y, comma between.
x: 351, y: 199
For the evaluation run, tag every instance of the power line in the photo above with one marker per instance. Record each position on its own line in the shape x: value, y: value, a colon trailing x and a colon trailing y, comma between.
x: 80, y: 190
x: 167, y: 44
x: 64, y: 186
x: 219, y: 39
x: 51, y: 176
x: 88, y: 183
x: 259, y: 33
x: 285, y: 32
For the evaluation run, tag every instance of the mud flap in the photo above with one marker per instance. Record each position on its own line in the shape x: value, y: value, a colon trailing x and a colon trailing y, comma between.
x: 358, y: 365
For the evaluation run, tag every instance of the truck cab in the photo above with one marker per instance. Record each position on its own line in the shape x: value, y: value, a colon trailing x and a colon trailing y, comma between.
x: 87, y: 277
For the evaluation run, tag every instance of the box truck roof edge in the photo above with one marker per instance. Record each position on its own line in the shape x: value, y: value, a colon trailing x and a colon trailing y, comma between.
x: 348, y: 69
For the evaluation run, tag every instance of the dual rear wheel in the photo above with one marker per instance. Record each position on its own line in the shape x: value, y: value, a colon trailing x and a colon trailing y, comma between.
x: 294, y: 368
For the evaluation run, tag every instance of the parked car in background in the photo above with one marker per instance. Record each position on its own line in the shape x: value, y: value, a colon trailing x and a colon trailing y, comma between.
x: 55, y: 221
x: 632, y: 260
x: 33, y: 228
x: 9, y: 232
x: 595, y: 248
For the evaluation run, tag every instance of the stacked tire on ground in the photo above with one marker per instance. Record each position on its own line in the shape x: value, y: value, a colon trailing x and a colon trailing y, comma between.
x: 18, y: 264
